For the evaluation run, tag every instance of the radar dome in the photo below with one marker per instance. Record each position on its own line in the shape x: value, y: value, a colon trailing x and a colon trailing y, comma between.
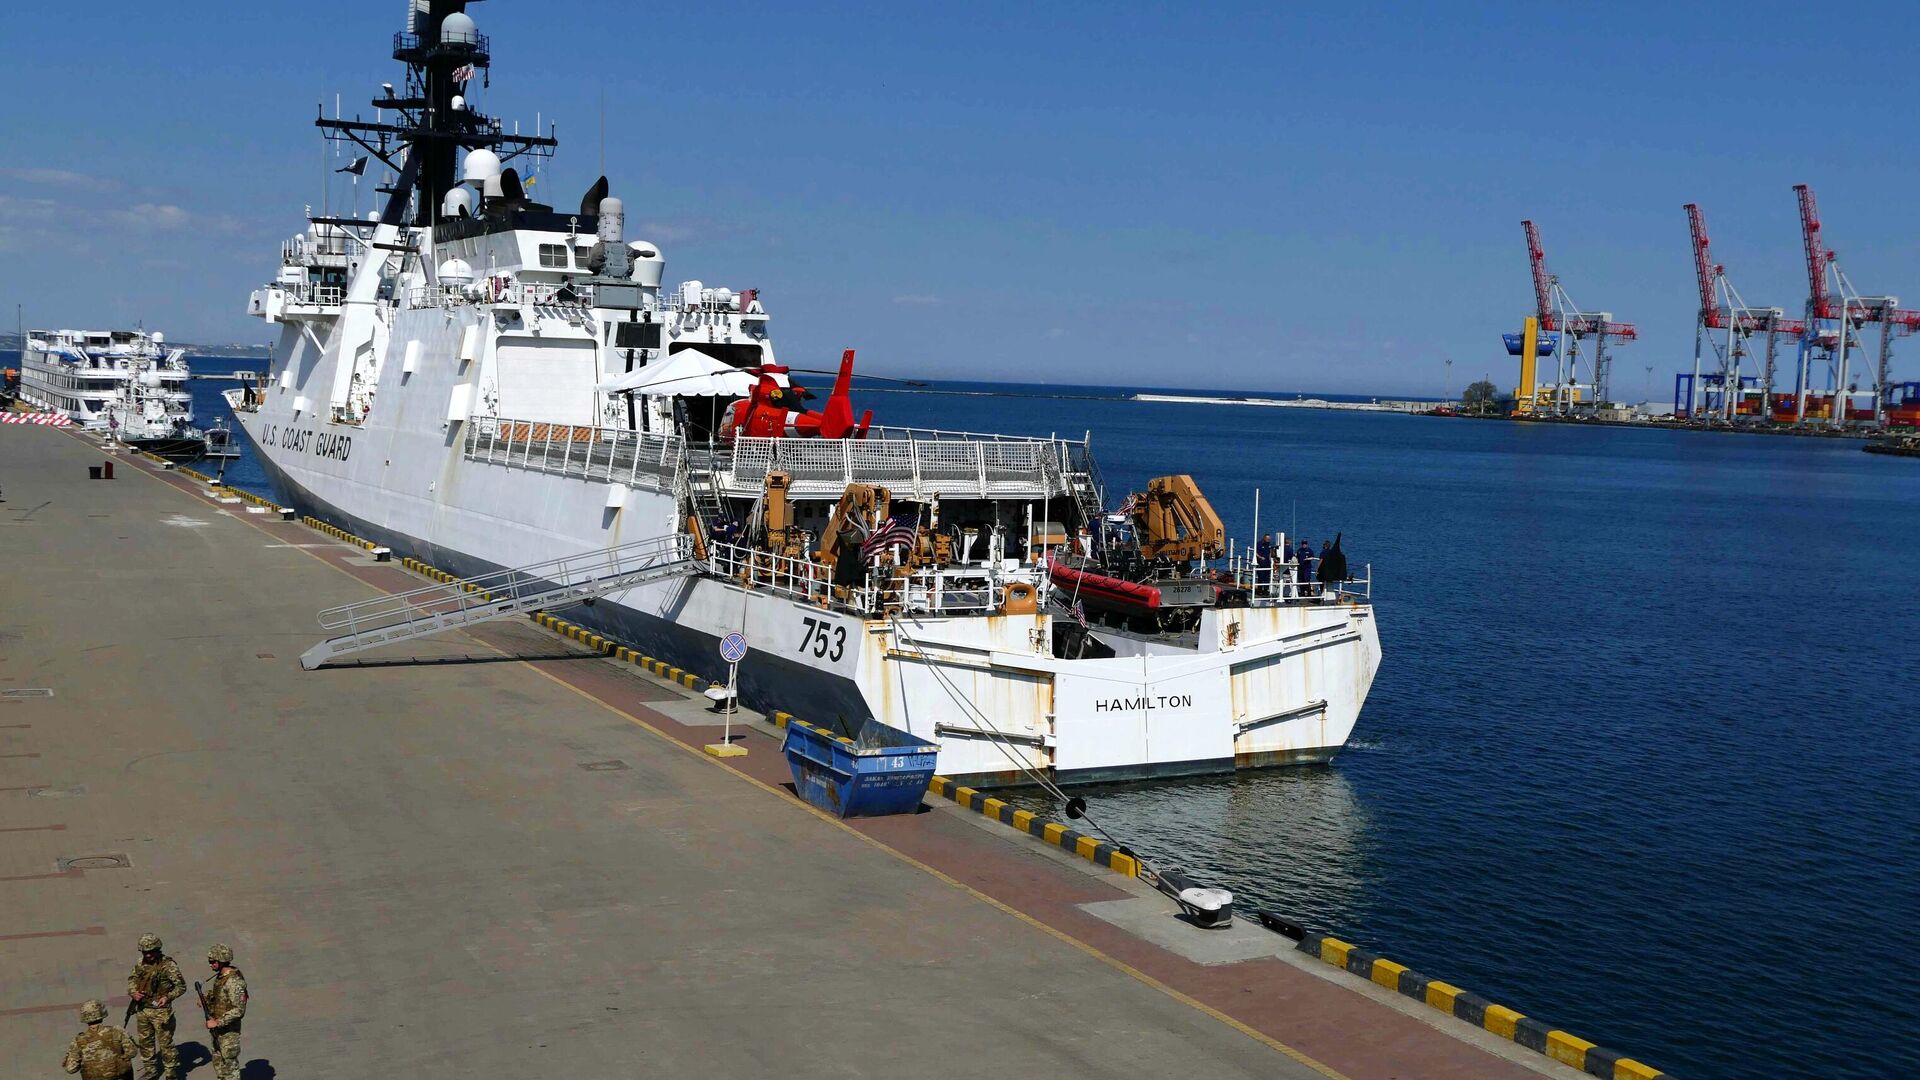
x: 648, y: 266
x: 158, y: 337
x: 458, y: 27
x: 459, y: 103
x: 459, y: 200
x: 480, y: 166
x: 149, y: 378
x: 455, y: 272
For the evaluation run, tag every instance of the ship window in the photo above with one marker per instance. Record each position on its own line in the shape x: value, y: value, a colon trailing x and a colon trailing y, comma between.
x: 553, y: 255
x: 634, y: 335
x: 581, y: 255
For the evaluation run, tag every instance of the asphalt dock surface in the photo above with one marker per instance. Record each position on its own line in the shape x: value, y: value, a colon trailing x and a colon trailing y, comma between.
x: 497, y: 855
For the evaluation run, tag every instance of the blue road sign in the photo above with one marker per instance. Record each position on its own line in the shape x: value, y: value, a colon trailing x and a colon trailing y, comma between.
x: 733, y: 647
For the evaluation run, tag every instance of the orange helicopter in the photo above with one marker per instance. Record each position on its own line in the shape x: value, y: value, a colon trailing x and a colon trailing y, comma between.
x: 774, y: 410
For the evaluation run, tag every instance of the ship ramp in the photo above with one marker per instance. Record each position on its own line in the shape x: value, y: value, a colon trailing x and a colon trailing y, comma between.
x: 556, y: 583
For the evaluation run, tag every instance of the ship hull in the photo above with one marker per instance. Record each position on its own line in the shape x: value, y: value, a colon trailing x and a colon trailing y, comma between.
x: 1254, y: 687
x: 173, y: 448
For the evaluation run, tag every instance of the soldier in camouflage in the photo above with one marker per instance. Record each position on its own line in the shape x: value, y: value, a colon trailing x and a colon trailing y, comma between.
x: 226, y: 1002
x: 154, y: 985
x: 100, y: 1052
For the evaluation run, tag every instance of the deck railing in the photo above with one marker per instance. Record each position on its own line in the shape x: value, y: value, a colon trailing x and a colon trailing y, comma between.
x: 637, y: 458
x: 912, y: 464
x: 1277, y: 584
x: 956, y: 590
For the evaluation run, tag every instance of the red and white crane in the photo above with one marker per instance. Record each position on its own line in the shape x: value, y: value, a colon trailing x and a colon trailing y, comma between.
x: 1832, y: 297
x: 1557, y: 311
x: 1723, y: 309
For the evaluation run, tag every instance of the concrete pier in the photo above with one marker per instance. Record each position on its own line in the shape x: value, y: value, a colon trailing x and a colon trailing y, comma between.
x: 498, y: 855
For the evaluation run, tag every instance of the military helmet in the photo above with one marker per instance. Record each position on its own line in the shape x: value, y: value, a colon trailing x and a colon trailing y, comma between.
x: 93, y: 1012
x: 149, y: 942
x: 220, y: 953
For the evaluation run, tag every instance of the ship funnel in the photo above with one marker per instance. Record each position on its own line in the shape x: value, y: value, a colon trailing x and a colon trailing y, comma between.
x: 610, y: 255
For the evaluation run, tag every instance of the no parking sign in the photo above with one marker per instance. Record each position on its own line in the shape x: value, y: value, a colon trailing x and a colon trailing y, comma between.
x: 733, y: 647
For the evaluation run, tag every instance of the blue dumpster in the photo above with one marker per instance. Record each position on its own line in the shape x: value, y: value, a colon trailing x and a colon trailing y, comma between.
x: 884, y: 771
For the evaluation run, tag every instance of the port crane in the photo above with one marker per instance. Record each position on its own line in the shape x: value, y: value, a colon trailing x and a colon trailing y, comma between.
x: 1722, y: 308
x: 1831, y: 297
x: 1556, y: 311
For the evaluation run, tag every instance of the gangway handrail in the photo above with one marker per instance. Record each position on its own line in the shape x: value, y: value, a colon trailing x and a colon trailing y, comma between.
x: 566, y: 570
x: 559, y: 582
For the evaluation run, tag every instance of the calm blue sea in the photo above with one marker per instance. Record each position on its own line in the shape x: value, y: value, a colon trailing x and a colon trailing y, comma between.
x: 1640, y: 758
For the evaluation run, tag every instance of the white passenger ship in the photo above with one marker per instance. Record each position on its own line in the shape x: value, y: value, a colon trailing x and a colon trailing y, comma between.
x: 485, y: 382
x: 123, y: 383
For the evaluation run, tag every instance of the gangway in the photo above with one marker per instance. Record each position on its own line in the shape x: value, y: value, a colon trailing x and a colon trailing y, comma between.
x: 555, y: 583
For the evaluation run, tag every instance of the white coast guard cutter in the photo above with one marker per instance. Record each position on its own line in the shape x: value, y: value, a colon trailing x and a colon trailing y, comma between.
x: 506, y: 389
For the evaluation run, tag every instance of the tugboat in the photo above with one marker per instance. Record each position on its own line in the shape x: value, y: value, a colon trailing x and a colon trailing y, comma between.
x: 506, y: 389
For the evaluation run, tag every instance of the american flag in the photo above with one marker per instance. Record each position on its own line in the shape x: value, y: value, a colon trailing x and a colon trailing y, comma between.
x: 894, y: 531
x: 463, y: 73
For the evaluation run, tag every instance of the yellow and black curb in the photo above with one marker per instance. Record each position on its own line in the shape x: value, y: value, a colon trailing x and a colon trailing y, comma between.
x: 1093, y: 850
x: 341, y: 535
x: 214, y: 486
x: 606, y: 646
x: 1561, y: 1046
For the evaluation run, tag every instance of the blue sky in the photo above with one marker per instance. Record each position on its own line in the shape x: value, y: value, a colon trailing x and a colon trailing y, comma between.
x: 1260, y: 197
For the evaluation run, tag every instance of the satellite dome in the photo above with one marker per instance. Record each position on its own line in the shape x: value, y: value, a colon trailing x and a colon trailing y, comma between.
x: 459, y: 103
x: 648, y: 266
x: 480, y: 166
x: 458, y: 200
x: 455, y: 272
x: 458, y: 27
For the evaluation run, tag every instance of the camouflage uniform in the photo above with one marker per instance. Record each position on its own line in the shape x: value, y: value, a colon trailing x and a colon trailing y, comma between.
x: 100, y: 1052
x: 161, y: 983
x: 226, y: 1004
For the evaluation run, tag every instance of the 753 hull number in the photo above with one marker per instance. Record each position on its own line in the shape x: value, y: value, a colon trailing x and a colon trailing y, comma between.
x: 825, y: 640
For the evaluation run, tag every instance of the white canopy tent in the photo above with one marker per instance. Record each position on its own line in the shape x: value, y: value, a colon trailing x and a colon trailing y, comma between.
x: 687, y: 373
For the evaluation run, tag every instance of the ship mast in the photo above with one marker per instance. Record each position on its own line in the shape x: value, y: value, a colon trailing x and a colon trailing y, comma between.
x: 443, y: 54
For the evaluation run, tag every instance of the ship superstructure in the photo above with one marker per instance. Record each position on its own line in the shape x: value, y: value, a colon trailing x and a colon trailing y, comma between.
x: 487, y: 382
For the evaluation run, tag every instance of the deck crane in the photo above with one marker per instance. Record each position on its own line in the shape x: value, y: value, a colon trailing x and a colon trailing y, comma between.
x: 1832, y: 297
x: 1557, y: 311
x: 1723, y: 308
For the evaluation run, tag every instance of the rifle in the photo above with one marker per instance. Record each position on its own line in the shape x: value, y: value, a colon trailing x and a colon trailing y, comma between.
x: 129, y: 1016
x: 204, y: 1011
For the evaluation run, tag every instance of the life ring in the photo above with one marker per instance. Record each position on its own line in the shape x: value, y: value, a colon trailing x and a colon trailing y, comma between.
x: 1018, y: 599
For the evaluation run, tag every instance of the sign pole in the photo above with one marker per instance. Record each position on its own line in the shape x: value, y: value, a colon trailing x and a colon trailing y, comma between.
x: 733, y: 648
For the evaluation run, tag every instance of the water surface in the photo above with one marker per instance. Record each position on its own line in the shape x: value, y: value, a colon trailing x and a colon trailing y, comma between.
x: 1638, y: 759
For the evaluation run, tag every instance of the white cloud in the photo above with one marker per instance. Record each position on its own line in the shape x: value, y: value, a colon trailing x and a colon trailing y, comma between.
x: 61, y: 178
x: 916, y: 300
x: 662, y: 232
x: 153, y: 216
